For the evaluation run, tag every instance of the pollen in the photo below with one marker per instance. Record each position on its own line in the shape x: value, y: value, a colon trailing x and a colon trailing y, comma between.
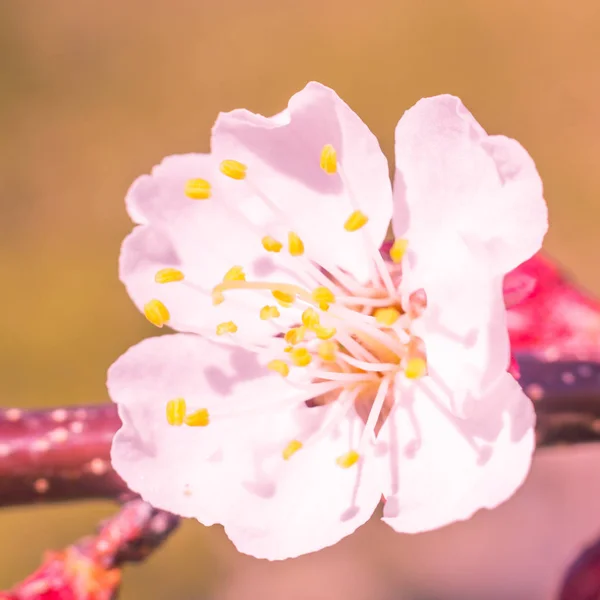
x: 291, y: 449
x: 355, y: 221
x: 227, y: 327
x: 386, y: 316
x: 270, y: 244
x: 347, y: 460
x: 323, y: 297
x: 176, y: 411
x: 301, y: 357
x: 217, y: 297
x: 197, y: 189
x: 324, y: 333
x: 415, y: 368
x: 199, y: 418
x: 295, y: 335
x: 168, y: 275
x: 279, y: 366
x: 269, y: 312
x: 398, y: 250
x: 327, y: 351
x: 295, y: 244
x: 329, y: 159
x: 236, y: 273
x: 310, y: 318
x: 156, y: 312
x: 283, y: 298
x: 233, y: 169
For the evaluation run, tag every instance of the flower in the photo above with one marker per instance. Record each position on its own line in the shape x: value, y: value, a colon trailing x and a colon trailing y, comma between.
x: 315, y: 374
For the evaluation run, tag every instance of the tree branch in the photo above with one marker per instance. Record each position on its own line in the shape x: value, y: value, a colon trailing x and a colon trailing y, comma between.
x: 64, y: 453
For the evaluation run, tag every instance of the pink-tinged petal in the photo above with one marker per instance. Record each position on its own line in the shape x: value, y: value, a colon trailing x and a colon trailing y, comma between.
x: 556, y: 321
x: 464, y: 325
x: 440, y: 469
x: 233, y: 471
x: 173, y: 467
x: 283, y: 509
x: 203, y: 239
x: 283, y: 158
x: 454, y: 179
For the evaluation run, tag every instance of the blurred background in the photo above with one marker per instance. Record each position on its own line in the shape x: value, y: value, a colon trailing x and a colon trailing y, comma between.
x: 92, y: 94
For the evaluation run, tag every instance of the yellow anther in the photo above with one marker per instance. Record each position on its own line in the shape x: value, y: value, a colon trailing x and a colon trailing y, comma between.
x: 279, y: 366
x: 329, y: 159
x: 323, y: 297
x: 269, y: 312
x: 217, y: 297
x: 227, y: 327
x: 398, y: 250
x: 415, y: 368
x: 347, y: 460
x: 295, y: 244
x: 291, y: 449
x: 168, y: 275
x: 156, y: 312
x: 386, y: 316
x: 200, y: 418
x: 270, y: 244
x: 327, y: 351
x: 301, y: 357
x: 236, y: 273
x: 295, y: 335
x: 233, y: 169
x: 283, y: 298
x: 197, y: 189
x: 324, y: 333
x: 176, y: 411
x: 355, y: 221
x: 310, y: 318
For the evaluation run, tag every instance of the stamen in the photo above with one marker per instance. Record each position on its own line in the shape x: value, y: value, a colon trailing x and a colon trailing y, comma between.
x: 269, y: 312
x: 364, y: 365
x: 329, y: 159
x: 284, y: 299
x: 227, y: 327
x: 295, y: 335
x: 417, y: 303
x: 176, y: 411
x: 291, y: 449
x: 200, y: 418
x: 323, y: 297
x: 295, y: 244
x: 348, y: 460
x: 156, y: 312
x: 279, y: 366
x: 369, y: 430
x: 197, y: 189
x: 327, y: 351
x: 236, y: 273
x: 398, y: 250
x: 233, y: 169
x: 217, y: 297
x: 386, y: 316
x: 324, y: 333
x: 355, y: 221
x: 415, y: 368
x: 310, y: 318
x: 271, y: 244
x: 301, y: 357
x: 168, y: 275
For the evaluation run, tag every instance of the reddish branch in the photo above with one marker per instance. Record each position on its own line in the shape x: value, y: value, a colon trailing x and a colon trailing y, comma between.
x: 90, y: 568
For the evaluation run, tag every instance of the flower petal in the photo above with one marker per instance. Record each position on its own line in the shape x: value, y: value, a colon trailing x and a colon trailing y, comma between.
x: 203, y: 239
x: 464, y: 325
x: 283, y: 158
x: 440, y: 469
x: 233, y: 471
x: 452, y: 178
